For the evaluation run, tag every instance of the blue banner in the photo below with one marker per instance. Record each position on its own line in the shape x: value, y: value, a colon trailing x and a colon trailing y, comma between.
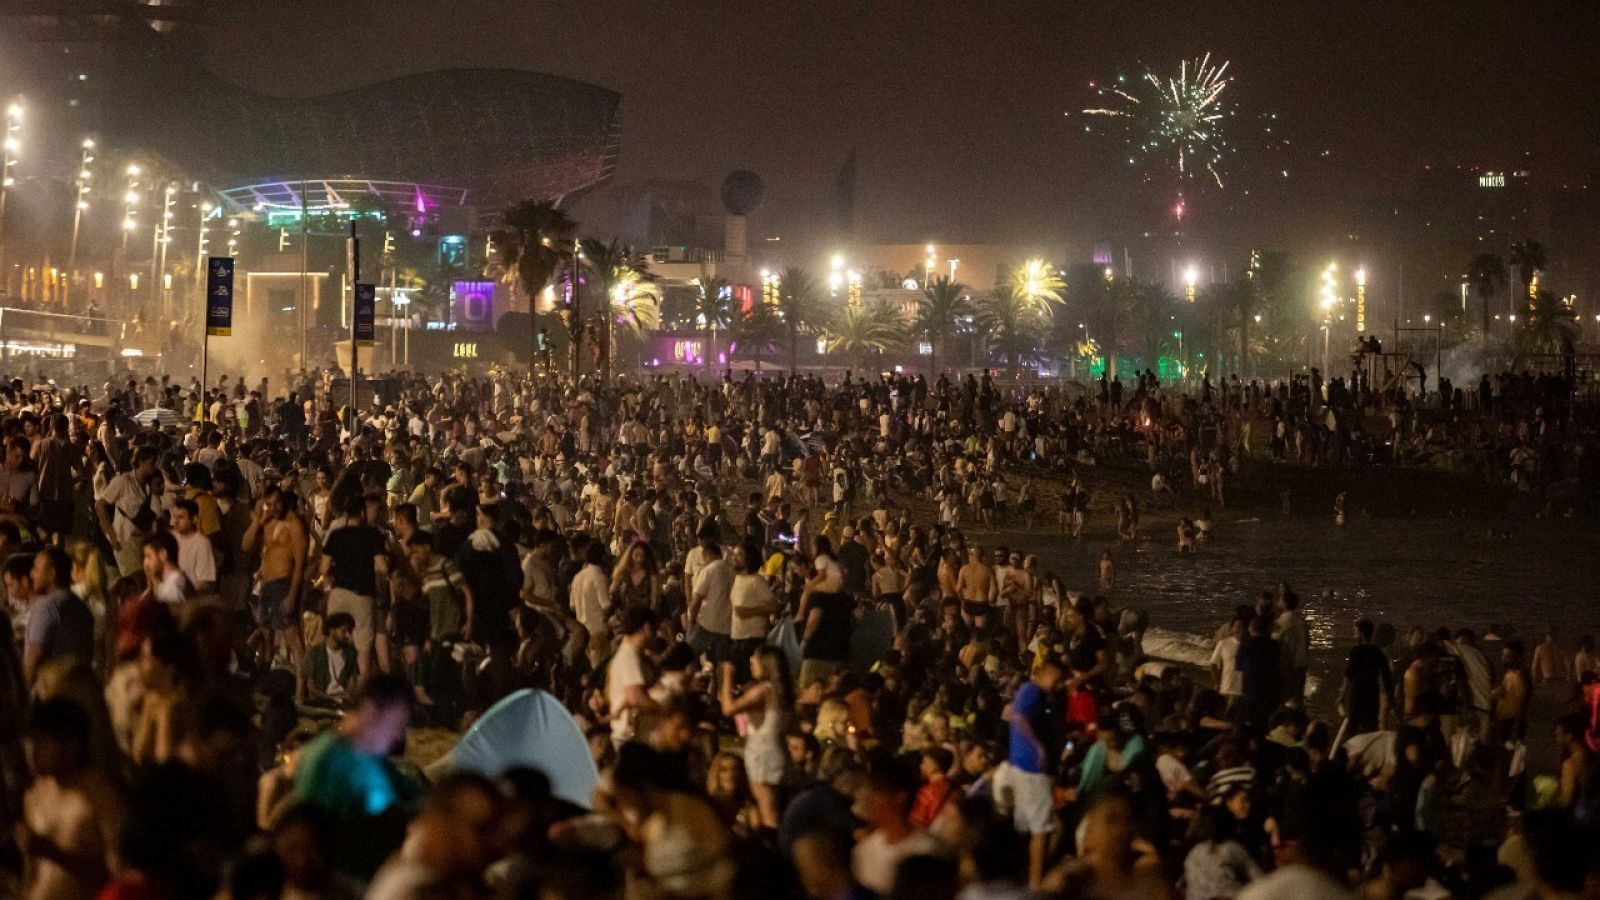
x: 366, y: 310
x: 219, y: 296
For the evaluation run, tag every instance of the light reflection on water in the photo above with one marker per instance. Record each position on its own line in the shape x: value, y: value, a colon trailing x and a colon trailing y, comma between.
x: 1422, y: 572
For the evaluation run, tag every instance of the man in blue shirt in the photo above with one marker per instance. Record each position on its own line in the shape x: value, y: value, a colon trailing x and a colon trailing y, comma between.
x: 59, y: 623
x: 1022, y: 783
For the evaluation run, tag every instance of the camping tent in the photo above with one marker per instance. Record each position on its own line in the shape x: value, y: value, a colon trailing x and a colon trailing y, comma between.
x: 784, y: 638
x: 529, y: 728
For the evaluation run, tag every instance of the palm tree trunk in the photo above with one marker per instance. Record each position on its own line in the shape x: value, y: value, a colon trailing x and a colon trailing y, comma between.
x: 1485, y: 298
x: 794, y: 348
x: 1244, y: 344
x: 1111, y: 346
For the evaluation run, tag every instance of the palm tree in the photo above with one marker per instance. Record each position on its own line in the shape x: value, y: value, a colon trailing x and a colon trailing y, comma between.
x: 1551, y: 326
x: 1024, y: 306
x: 533, y: 238
x: 1038, y: 282
x: 623, y: 279
x: 868, y: 327
x: 943, y: 303
x: 1487, y: 272
x: 1238, y: 305
x: 428, y: 293
x: 1148, y: 308
x: 1014, y: 319
x: 1528, y: 257
x: 712, y: 307
x: 800, y: 307
x: 1447, y: 312
x: 754, y: 332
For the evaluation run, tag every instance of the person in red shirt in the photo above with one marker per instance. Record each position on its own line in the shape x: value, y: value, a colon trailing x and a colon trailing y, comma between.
x: 936, y: 788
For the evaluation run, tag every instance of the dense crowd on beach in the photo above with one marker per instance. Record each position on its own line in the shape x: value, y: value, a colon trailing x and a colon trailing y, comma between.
x: 801, y: 625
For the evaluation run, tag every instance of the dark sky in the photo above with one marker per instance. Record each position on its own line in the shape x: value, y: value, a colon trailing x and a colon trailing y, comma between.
x: 957, y: 107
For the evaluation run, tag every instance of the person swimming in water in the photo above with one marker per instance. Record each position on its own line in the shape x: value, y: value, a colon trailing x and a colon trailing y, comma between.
x: 1185, y: 536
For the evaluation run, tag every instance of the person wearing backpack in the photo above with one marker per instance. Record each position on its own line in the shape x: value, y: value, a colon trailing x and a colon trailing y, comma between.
x: 125, y: 509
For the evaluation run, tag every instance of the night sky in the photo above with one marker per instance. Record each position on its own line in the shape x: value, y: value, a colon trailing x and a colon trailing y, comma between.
x: 957, y: 108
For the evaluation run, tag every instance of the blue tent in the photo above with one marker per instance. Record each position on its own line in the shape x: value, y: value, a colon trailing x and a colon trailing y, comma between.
x: 530, y: 728
x: 784, y: 638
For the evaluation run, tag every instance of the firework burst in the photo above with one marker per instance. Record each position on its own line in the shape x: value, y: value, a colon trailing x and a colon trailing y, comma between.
x: 1177, y: 122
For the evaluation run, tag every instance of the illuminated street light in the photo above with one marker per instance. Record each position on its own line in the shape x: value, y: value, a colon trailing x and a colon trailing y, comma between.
x: 1361, y: 300
x: 202, y: 247
x: 1190, y: 279
x: 163, y: 237
x: 130, y: 222
x: 77, y: 213
x: 8, y: 160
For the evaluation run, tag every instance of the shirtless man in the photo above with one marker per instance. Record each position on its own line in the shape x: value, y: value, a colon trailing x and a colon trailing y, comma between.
x: 975, y: 583
x: 71, y: 813
x: 282, y: 539
x: 1511, y: 696
x: 1549, y: 662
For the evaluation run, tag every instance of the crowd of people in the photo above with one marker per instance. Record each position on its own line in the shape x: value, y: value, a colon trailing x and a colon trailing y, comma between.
x: 801, y: 624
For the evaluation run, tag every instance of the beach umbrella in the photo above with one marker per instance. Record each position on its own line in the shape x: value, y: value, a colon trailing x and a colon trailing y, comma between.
x: 158, y: 417
x: 529, y: 728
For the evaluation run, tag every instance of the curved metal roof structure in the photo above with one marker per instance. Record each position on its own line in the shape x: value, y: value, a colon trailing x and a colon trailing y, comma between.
x: 500, y: 135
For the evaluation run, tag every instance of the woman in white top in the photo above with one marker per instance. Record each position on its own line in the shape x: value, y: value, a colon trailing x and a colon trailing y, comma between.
x: 767, y: 701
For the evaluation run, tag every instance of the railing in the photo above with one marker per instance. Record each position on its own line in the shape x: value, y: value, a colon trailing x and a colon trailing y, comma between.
x: 56, y: 323
x: 43, y: 336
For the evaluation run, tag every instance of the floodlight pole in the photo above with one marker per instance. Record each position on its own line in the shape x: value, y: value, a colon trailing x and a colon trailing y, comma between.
x: 305, y: 287
x: 355, y: 350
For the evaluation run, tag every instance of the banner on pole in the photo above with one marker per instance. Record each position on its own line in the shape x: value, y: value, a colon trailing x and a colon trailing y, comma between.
x: 366, y: 310
x: 219, y: 296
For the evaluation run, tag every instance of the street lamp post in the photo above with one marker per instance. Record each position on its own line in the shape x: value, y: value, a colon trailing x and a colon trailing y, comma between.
x: 155, y: 272
x: 8, y: 159
x: 78, y: 207
x: 160, y: 239
x: 1361, y: 301
x: 201, y: 244
x: 130, y: 221
x: 1328, y: 293
x: 577, y: 308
